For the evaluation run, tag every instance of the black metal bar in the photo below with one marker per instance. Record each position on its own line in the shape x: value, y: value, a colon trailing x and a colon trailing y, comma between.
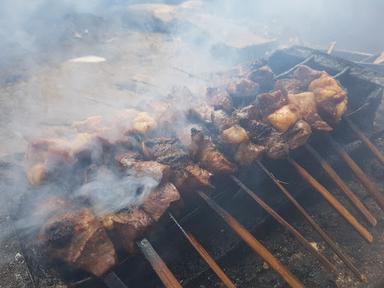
x: 113, y: 281
x: 305, y: 61
x: 342, y: 72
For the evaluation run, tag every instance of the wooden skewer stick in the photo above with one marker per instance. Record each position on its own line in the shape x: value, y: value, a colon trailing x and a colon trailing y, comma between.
x: 342, y: 185
x: 314, y: 224
x: 204, y: 254
x: 330, y: 267
x: 371, y: 188
x: 253, y: 243
x: 158, y: 265
x: 332, y: 201
x: 376, y: 152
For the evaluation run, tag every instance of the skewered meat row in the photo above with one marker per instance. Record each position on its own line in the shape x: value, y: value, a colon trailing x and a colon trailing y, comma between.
x: 244, y: 122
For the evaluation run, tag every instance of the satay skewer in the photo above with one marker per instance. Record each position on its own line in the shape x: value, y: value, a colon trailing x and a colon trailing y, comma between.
x: 314, y: 224
x: 252, y: 242
x: 332, y: 201
x: 375, y: 151
x: 327, y: 264
x: 158, y: 265
x: 204, y: 254
x: 371, y: 188
x: 342, y: 185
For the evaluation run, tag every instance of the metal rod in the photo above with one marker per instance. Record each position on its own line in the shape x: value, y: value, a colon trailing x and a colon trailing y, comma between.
x: 331, y: 47
x: 158, y: 265
x: 305, y: 61
x: 332, y: 201
x: 252, y: 242
x: 205, y: 255
x: 328, y: 265
x: 314, y: 224
x: 113, y: 281
x: 371, y: 188
x: 375, y: 151
x: 343, y: 187
x: 342, y: 72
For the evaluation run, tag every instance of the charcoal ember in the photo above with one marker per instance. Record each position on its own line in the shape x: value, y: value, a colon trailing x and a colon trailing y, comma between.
x: 158, y: 201
x: 130, y: 225
x: 243, y: 88
x: 289, y: 86
x: 221, y: 120
x: 257, y: 130
x: 168, y: 151
x: 191, y: 178
x: 270, y: 102
x: 247, y: 153
x: 298, y: 134
x: 79, y: 239
x: 219, y: 99
x: 264, y: 77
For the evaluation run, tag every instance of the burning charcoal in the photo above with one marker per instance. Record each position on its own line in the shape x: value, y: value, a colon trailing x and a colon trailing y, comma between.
x: 208, y: 156
x: 78, y: 238
x: 330, y: 97
x: 284, y: 117
x: 191, y: 178
x: 219, y: 99
x: 158, y: 201
x: 222, y: 120
x: 270, y: 102
x: 130, y: 225
x: 235, y: 135
x: 264, y: 77
x: 298, y: 134
x: 247, y: 153
x: 289, y: 86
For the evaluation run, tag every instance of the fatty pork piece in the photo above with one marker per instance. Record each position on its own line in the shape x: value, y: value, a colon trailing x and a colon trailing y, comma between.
x: 208, y: 156
x: 329, y: 96
x: 247, y: 153
x: 157, y: 171
x: 264, y: 77
x: 306, y: 103
x: 235, y: 135
x: 80, y: 240
x: 270, y: 102
x: 298, y: 134
x: 129, y: 226
x: 219, y: 98
x: 284, y: 118
x: 242, y: 89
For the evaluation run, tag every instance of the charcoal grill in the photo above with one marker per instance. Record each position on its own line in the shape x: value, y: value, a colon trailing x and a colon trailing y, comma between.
x: 365, y: 91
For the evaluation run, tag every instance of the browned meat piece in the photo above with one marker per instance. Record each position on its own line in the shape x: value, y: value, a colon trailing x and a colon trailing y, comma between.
x: 222, y: 120
x: 130, y: 225
x: 276, y: 147
x: 306, y: 75
x: 208, y: 156
x: 168, y: 151
x: 143, y: 123
x: 329, y: 95
x: 247, y: 153
x: 243, y: 88
x: 235, y: 135
x: 305, y: 102
x: 250, y: 112
x: 283, y: 118
x: 200, y: 112
x: 191, y: 178
x: 219, y: 99
x: 264, y: 77
x: 257, y: 130
x: 298, y: 134
x: 289, y: 86
x: 270, y: 102
x: 78, y: 238
x: 158, y: 201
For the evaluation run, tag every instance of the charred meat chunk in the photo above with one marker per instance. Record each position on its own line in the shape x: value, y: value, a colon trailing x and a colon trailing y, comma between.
x: 264, y: 77
x: 298, y: 134
x: 243, y: 88
x: 270, y: 102
x: 219, y: 99
x: 289, y: 86
x: 276, y: 146
x: 247, y: 153
x: 306, y: 75
x: 222, y: 120
x: 191, y: 178
x: 79, y: 239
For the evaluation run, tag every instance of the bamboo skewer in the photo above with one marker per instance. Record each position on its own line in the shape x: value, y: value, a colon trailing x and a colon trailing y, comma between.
x: 204, y: 254
x: 314, y: 224
x: 372, y: 189
x: 253, y: 243
x: 342, y: 185
x: 376, y: 152
x: 330, y: 267
x: 158, y: 265
x: 332, y: 201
